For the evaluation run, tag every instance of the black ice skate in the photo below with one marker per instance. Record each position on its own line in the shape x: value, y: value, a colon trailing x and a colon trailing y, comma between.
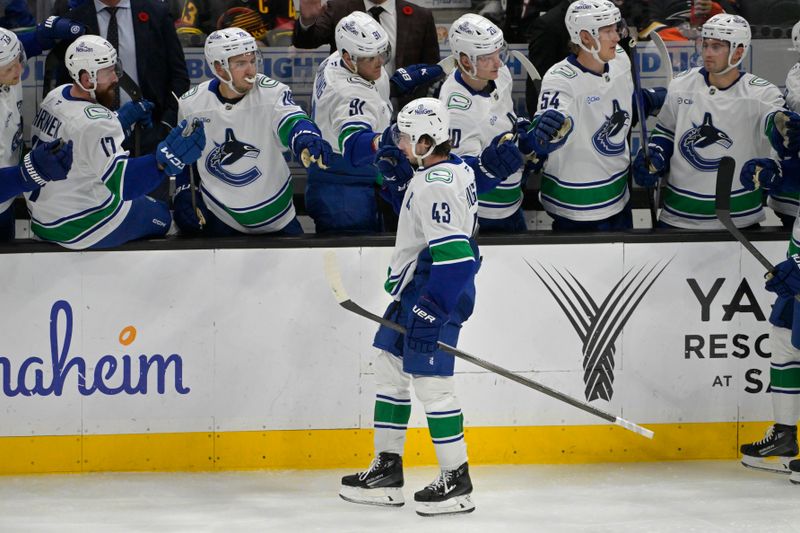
x: 794, y: 474
x: 381, y: 484
x: 448, y: 494
x: 774, y: 451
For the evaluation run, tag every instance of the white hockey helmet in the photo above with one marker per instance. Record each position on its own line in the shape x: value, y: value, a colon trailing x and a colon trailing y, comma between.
x: 226, y: 43
x: 796, y: 36
x: 424, y: 116
x: 90, y: 53
x: 475, y: 36
x: 361, y: 36
x: 730, y: 28
x: 10, y: 48
x: 590, y: 16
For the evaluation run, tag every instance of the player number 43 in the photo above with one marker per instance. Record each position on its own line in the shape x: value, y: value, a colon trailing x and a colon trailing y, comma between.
x: 441, y: 212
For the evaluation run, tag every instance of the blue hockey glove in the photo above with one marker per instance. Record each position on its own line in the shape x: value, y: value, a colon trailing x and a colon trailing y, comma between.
x: 409, y: 78
x: 132, y: 112
x: 393, y: 164
x: 653, y: 100
x: 179, y: 150
x: 785, y: 280
x: 768, y: 175
x: 319, y: 151
x: 542, y: 136
x: 184, y: 213
x: 56, y: 28
x: 500, y: 160
x: 425, y: 322
x: 47, y: 162
x: 784, y: 133
x: 648, y: 176
x: 388, y: 136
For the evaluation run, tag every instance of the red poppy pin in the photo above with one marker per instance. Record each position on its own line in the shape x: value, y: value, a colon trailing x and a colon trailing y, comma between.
x: 408, y: 10
x: 143, y: 16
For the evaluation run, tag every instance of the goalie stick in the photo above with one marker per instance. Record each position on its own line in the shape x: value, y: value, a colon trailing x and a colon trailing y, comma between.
x: 339, y: 292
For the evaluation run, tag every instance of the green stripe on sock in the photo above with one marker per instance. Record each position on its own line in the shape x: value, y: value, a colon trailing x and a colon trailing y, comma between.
x: 785, y: 378
x: 449, y: 426
x: 391, y: 413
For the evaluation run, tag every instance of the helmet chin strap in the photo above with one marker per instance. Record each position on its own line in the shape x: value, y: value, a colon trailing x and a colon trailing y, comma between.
x: 229, y: 83
x: 419, y: 158
x: 595, y: 52
x: 731, y: 66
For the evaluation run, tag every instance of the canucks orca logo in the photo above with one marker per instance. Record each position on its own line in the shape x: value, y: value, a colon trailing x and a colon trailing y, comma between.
x: 611, y: 138
x: 224, y: 161
x: 703, y: 136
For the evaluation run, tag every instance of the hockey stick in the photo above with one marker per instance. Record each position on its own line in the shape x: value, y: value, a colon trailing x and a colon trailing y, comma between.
x: 637, y: 92
x: 339, y: 292
x: 663, y: 54
x: 448, y: 64
x: 533, y: 74
x: 727, y: 167
x: 188, y: 130
x: 127, y: 84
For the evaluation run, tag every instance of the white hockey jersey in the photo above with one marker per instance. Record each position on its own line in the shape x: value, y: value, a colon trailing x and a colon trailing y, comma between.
x: 476, y: 119
x: 788, y: 203
x: 81, y: 210
x: 11, y: 132
x: 586, y: 178
x: 344, y: 103
x: 440, y: 212
x: 704, y: 123
x: 244, y: 178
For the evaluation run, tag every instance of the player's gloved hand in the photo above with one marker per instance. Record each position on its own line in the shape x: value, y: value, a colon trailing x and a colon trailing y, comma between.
x: 407, y: 79
x: 178, y: 150
x: 761, y: 173
x: 47, y: 162
x: 388, y: 135
x: 653, y: 100
x: 785, y: 280
x: 648, y: 175
x: 541, y: 136
x: 56, y: 28
x: 184, y: 213
x: 318, y: 148
x: 135, y: 112
x: 425, y: 322
x: 397, y: 171
x: 500, y: 160
x: 784, y: 136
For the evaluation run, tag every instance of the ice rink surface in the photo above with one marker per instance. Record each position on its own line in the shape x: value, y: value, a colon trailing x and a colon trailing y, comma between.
x: 702, y: 496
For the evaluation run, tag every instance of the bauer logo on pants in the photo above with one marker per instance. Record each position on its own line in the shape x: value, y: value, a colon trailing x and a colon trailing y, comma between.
x: 598, y: 326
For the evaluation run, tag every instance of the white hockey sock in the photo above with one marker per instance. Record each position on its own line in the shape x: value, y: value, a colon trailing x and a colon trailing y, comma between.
x: 392, y: 404
x: 445, y: 421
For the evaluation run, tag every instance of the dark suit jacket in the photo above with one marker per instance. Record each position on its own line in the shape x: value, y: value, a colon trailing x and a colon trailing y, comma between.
x: 160, y: 62
x: 416, y: 32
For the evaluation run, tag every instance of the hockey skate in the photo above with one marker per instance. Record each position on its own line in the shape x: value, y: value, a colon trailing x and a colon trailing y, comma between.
x: 774, y: 451
x: 381, y: 484
x: 448, y: 494
x: 794, y: 475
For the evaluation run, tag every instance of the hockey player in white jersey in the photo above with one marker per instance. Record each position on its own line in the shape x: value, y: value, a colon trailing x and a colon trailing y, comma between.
x: 46, y: 162
x: 431, y: 280
x: 478, y: 99
x: 584, y: 182
x: 711, y: 112
x: 351, y: 105
x: 103, y: 201
x: 250, y: 120
x: 786, y: 203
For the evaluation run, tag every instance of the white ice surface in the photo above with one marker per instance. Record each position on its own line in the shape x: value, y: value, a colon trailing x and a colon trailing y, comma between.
x: 704, y: 496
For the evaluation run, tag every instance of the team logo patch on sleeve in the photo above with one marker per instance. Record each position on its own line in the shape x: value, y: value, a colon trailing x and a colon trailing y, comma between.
x: 229, y: 161
x: 95, y: 112
x: 440, y: 174
x: 189, y: 93
x: 565, y: 71
x: 458, y: 101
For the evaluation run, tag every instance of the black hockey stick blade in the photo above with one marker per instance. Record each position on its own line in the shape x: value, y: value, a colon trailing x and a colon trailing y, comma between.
x: 339, y: 292
x: 727, y: 167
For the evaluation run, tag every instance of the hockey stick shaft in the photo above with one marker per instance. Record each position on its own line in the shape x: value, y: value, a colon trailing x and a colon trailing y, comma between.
x: 336, y: 285
x: 639, y: 97
x: 722, y: 207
